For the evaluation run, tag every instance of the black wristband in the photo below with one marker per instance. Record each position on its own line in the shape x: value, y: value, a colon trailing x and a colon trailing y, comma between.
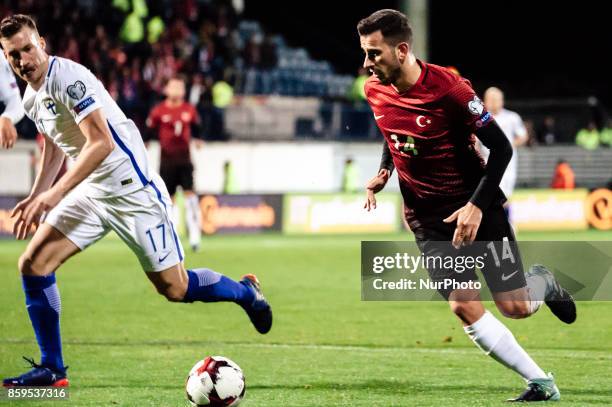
x: 386, y: 161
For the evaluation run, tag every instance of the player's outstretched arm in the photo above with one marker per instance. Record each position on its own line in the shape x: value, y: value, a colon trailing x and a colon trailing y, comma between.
x: 98, y: 145
x: 52, y: 160
x: 51, y: 163
x: 377, y: 183
x: 469, y: 216
x: 495, y: 140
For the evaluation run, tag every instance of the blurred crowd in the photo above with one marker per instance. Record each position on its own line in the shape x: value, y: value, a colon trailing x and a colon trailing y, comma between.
x: 135, y: 46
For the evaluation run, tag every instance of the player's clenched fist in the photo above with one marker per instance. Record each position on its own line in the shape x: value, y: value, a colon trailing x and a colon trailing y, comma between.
x: 375, y: 185
x: 468, y: 220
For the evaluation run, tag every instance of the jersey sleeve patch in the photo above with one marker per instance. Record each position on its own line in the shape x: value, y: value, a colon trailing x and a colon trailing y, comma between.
x: 74, y: 86
x: 84, y: 104
x: 76, y: 90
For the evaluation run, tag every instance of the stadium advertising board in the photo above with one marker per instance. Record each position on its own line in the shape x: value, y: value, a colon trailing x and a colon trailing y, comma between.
x: 241, y: 213
x: 598, y: 209
x: 549, y: 209
x: 340, y: 213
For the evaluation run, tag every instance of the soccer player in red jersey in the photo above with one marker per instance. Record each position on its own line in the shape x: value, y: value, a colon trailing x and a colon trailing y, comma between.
x: 428, y: 116
x: 174, y: 119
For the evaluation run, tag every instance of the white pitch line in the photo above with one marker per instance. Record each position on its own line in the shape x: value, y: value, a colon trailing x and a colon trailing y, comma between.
x: 552, y: 353
x: 567, y: 353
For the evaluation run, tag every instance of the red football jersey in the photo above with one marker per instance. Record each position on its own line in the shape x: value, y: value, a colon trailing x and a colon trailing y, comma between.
x: 174, y: 128
x: 429, y: 129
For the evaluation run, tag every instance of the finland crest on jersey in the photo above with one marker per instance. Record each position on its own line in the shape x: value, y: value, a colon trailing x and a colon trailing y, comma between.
x: 69, y: 94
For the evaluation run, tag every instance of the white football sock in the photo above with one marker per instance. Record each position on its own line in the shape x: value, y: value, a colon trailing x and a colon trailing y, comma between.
x: 193, y: 219
x: 536, y: 287
x: 495, y: 340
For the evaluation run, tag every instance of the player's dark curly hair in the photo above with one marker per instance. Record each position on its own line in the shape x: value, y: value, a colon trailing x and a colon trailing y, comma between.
x: 392, y: 24
x: 11, y: 25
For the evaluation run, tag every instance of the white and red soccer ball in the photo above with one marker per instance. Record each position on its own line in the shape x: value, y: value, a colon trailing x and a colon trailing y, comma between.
x: 215, y: 381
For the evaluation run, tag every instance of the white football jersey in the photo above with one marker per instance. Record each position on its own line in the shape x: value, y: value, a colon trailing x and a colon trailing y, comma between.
x: 512, y: 125
x: 70, y: 93
x: 9, y: 91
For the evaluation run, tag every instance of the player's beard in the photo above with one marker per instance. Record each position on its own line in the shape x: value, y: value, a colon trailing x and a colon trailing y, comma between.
x: 391, y: 77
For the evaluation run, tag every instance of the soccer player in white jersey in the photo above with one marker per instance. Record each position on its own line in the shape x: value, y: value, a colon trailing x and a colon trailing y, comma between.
x: 109, y: 187
x: 11, y: 99
x: 514, y: 129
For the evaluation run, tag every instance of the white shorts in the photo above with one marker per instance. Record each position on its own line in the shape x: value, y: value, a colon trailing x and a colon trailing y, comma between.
x: 141, y: 219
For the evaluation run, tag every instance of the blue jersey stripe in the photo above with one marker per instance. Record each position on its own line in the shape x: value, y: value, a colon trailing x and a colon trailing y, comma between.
x: 159, y: 196
x: 145, y: 182
x: 126, y: 150
x: 51, y: 66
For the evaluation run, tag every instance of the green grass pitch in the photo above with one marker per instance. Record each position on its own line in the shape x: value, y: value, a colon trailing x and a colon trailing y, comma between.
x: 127, y: 346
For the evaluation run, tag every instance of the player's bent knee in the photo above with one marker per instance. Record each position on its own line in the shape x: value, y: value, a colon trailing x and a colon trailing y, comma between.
x: 171, y: 283
x: 173, y: 292
x: 29, y: 266
x: 514, y: 309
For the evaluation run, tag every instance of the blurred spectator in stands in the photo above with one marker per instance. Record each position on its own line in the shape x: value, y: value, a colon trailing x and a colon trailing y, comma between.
x: 133, y: 29
x: 182, y: 39
x: 532, y: 139
x: 230, y: 181
x: 155, y: 28
x: 547, y: 133
x: 588, y: 138
x: 196, y: 89
x: 357, y: 91
x: 222, y: 93
x: 222, y: 97
x: 563, y: 178
x: 269, y: 57
x: 252, y: 51
x: 605, y: 135
x: 350, y: 176
x: 212, y: 116
x: 514, y: 129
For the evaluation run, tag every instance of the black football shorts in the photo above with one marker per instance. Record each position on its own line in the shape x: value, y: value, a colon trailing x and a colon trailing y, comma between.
x: 495, y: 250
x: 177, y: 174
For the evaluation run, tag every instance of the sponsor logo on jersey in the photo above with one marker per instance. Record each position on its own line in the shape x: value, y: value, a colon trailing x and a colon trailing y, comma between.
x: 84, y: 104
x: 76, y: 90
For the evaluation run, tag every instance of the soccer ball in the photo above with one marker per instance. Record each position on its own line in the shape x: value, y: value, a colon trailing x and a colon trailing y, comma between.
x: 215, y: 381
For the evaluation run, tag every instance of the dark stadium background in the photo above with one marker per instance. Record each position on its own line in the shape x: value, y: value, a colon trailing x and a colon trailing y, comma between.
x: 532, y: 49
